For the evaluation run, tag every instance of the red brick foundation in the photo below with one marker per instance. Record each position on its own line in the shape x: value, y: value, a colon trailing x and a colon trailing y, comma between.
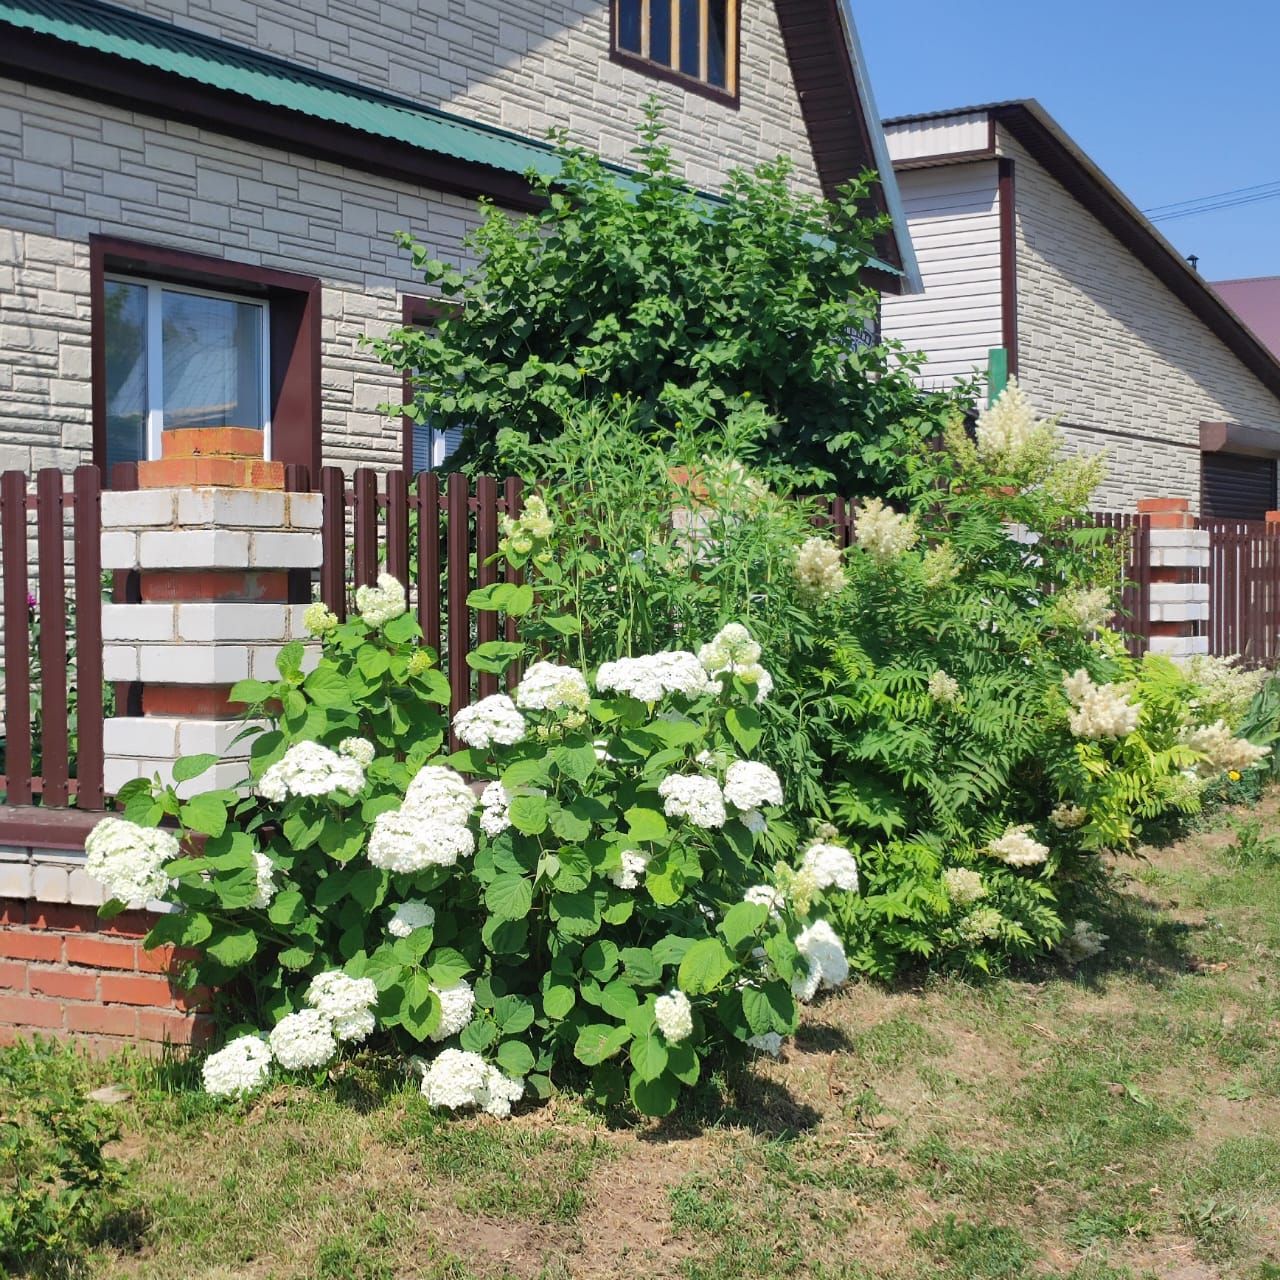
x: 64, y: 971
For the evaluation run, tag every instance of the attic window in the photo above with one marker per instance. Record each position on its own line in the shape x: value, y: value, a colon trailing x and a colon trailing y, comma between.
x: 689, y: 42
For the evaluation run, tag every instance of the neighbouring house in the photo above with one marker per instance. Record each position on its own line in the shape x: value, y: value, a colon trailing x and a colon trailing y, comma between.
x: 199, y: 196
x: 1257, y: 302
x: 1027, y: 249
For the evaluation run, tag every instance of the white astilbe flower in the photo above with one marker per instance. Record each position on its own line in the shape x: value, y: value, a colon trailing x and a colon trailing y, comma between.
x: 405, y: 840
x: 634, y: 864
x: 1221, y: 749
x: 1089, y: 608
x: 128, y: 859
x: 765, y: 895
x: 883, y: 532
x: 411, y: 915
x: 491, y: 720
x: 457, y: 1004
x: 832, y: 867
x: 824, y: 954
x: 749, y: 785
x: 1016, y: 848
x: 378, y: 605
x: 1226, y: 690
x: 1100, y: 711
x: 769, y: 1042
x: 361, y: 750
x: 1008, y: 436
x: 964, y: 887
x: 674, y: 1015
x: 319, y: 619
x: 754, y: 821
x: 265, y: 876
x: 347, y: 1002
x: 944, y: 689
x: 495, y: 811
x: 819, y: 568
x: 939, y: 567
x: 1067, y: 817
x: 549, y: 687
x: 700, y: 800
x: 1081, y: 944
x: 733, y: 652
x: 439, y: 793
x: 651, y: 678
x: 456, y: 1080
x: 302, y: 1040
x: 238, y: 1068
x: 309, y: 769
x: 979, y: 926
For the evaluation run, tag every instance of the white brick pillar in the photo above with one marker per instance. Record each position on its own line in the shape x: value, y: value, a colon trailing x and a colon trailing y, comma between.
x: 1179, y: 620
x: 213, y: 562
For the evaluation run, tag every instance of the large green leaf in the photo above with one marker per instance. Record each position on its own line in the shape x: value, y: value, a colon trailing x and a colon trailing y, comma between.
x: 705, y: 966
x: 598, y: 1041
x: 649, y: 1056
x: 529, y: 814
x: 509, y: 897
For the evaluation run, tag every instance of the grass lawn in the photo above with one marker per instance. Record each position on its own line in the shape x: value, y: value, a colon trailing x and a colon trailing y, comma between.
x: 1119, y: 1121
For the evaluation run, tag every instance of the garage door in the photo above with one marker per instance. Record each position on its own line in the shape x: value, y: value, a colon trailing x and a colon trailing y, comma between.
x: 1235, y: 487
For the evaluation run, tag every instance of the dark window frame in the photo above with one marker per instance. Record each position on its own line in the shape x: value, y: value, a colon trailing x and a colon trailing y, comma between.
x: 729, y: 97
x: 419, y: 311
x: 294, y: 314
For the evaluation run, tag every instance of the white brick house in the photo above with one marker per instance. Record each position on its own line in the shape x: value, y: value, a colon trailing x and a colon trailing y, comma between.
x: 197, y: 197
x: 1025, y: 246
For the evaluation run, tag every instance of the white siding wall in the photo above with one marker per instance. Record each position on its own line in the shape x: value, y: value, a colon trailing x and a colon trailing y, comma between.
x: 937, y: 137
x: 953, y: 213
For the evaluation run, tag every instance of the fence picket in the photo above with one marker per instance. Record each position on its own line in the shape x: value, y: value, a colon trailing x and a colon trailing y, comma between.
x: 365, y: 527
x: 17, y: 672
x: 458, y: 624
x: 398, y: 526
x: 333, y: 536
x: 87, y: 491
x: 54, y: 739
x: 512, y: 507
x: 429, y: 558
x: 486, y: 569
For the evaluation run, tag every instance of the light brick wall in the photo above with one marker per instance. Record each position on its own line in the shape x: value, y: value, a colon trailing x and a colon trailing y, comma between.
x: 1102, y: 341
x: 526, y: 65
x: 69, y: 168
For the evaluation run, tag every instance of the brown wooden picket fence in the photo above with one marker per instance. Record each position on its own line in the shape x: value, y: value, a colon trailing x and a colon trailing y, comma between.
x: 1134, y: 532
x: 1244, y: 590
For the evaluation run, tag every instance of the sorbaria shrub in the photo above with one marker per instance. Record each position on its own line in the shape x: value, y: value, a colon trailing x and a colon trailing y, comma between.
x: 595, y: 905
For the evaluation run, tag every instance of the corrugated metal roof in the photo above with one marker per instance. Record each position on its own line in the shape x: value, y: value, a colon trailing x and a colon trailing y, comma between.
x: 274, y: 82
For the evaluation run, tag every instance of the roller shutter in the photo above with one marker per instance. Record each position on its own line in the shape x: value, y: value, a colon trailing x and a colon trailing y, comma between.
x: 1236, y: 487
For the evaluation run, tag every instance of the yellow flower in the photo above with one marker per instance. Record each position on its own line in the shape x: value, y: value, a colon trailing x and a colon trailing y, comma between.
x: 1234, y: 775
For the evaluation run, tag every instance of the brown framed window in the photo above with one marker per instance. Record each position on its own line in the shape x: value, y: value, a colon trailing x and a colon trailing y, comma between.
x: 182, y: 339
x: 428, y: 446
x: 689, y: 42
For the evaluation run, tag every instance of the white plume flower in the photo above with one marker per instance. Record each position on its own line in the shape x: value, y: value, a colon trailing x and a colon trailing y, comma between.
x: 1088, y: 608
x: 1067, y: 817
x: 1101, y: 711
x: 674, y: 1015
x: 1016, y: 848
x: 378, y: 605
x: 1223, y: 751
x: 883, y: 532
x: 749, y: 785
x: 819, y: 568
x: 1081, y: 944
x: 302, y: 1040
x: 979, y: 926
x: 128, y: 859
x: 944, y: 689
x: 964, y: 886
x: 492, y: 720
x: 238, y: 1068
x: 700, y: 800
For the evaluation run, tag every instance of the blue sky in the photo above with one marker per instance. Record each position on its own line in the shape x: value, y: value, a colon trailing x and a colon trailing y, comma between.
x: 1173, y: 100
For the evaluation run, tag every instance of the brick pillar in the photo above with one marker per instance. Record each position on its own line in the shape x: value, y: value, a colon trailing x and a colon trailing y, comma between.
x: 1273, y: 517
x: 1179, y: 604
x: 213, y: 536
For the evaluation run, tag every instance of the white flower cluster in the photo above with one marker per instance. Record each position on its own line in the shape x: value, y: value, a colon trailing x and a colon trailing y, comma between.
x: 265, y: 874
x: 979, y: 926
x: 696, y: 798
x: 378, y: 605
x: 634, y: 864
x: 1221, y: 749
x: 457, y: 1004
x: 319, y: 619
x: 651, y: 678
x: 457, y: 1080
x: 939, y: 567
x: 495, y: 809
x: 832, y: 867
x: 347, y: 1002
x: 732, y: 651
x: 534, y: 525
x: 549, y: 687
x: 409, y: 916
x: 1016, y: 848
x: 674, y: 1015
x: 239, y: 1067
x: 1067, y: 817
x: 1081, y: 944
x: 1088, y: 608
x: 128, y: 859
x: 1100, y: 710
x: 303, y: 1040
x: 766, y: 895
x: 749, y: 786
x: 430, y: 827
x: 819, y: 568
x: 491, y: 720
x: 361, y: 750
x: 883, y: 532
x: 1008, y: 433
x: 964, y: 887
x: 944, y: 689
x: 308, y: 769
x: 824, y: 954
x: 1225, y: 688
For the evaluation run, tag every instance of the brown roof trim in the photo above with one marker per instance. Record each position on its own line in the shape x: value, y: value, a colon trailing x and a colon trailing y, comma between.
x: 1230, y: 437
x: 1008, y: 262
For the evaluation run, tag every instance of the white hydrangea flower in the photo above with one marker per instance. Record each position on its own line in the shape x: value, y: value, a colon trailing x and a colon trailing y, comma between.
x: 238, y: 1068
x: 347, y: 1002
x: 492, y: 720
x: 456, y: 1079
x: 495, y: 812
x: 634, y: 864
x: 754, y: 821
x: 769, y: 1042
x: 361, y: 750
x: 378, y: 605
x: 1221, y: 749
x: 1067, y: 817
x: 499, y: 1094
x: 439, y: 793
x: 409, y: 916
x: 1081, y: 944
x: 457, y: 1005
x: 749, y: 785
x: 309, y: 769
x: 547, y: 686
x: 883, y: 532
x: 651, y: 678
x: 700, y: 800
x: 1101, y: 711
x: 302, y: 1040
x: 964, y: 886
x: 733, y: 652
x: 766, y: 895
x: 824, y: 953
x: 832, y: 867
x: 674, y: 1015
x: 319, y: 619
x: 265, y: 872
x: 1016, y: 848
x: 128, y: 859
x: 979, y: 926
x: 944, y: 688
x: 406, y: 840
x: 819, y: 568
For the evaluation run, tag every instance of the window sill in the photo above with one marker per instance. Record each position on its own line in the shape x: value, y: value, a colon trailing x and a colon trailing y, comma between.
x: 668, y: 75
